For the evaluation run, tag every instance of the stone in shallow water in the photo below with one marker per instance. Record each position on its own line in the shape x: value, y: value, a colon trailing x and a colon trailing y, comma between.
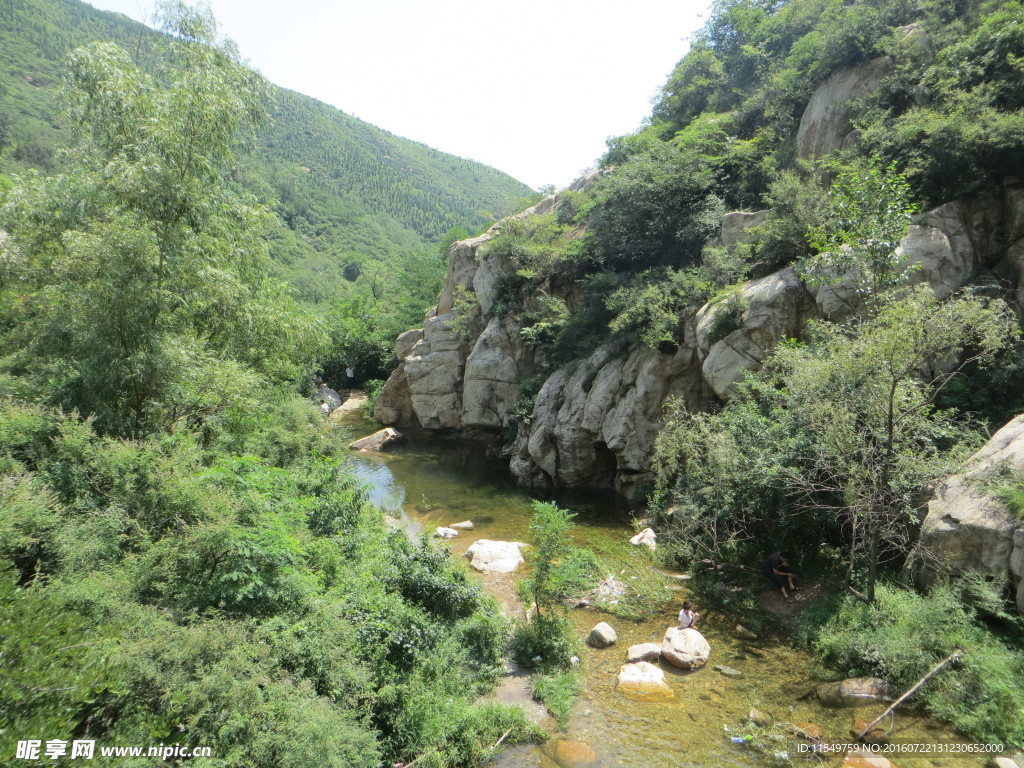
x: 745, y: 633
x: 643, y: 652
x: 646, y: 538
x: 489, y: 556
x: 875, y: 736
x: 574, y: 754
x: 445, y: 533
x: 465, y: 525
x: 728, y: 671
x: 810, y: 731
x: 685, y: 648
x: 644, y: 682
x: 757, y: 717
x: 853, y: 692
x: 602, y: 635
x: 378, y: 441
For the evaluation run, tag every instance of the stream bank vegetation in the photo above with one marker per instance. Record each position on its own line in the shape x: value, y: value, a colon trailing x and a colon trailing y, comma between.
x: 832, y: 446
x: 183, y: 555
x: 546, y: 640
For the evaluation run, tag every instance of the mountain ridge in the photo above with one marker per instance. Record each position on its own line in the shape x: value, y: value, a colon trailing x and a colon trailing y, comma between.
x: 347, y: 190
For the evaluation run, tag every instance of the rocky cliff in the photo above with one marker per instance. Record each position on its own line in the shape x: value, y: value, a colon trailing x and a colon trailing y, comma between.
x: 594, y: 420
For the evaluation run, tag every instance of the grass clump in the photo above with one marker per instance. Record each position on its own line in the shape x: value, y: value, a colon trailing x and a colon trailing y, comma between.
x: 558, y: 693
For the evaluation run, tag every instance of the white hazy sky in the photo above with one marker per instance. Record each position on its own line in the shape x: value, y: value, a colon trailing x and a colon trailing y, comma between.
x: 533, y: 90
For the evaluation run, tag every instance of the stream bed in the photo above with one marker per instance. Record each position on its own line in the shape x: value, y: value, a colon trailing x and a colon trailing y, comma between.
x: 443, y: 481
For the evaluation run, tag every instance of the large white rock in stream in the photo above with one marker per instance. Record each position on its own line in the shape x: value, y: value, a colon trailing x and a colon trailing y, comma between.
x: 685, y: 648
x: 644, y: 682
x: 646, y: 538
x: 489, y: 556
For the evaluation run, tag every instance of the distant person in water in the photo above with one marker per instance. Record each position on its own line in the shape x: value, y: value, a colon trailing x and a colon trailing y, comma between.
x: 688, y: 617
x: 776, y: 568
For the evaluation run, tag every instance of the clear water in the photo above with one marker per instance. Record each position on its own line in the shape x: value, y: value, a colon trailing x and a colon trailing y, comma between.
x: 445, y: 481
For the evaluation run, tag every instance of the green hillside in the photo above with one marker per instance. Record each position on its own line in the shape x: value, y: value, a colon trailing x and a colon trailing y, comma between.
x: 362, y: 210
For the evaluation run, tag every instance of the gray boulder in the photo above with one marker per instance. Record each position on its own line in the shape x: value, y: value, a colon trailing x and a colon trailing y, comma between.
x: 602, y: 636
x: 967, y: 529
x: 853, y: 692
x: 643, y: 652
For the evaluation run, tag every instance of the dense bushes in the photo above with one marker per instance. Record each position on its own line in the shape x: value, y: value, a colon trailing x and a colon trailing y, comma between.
x: 906, y: 633
x: 251, y: 603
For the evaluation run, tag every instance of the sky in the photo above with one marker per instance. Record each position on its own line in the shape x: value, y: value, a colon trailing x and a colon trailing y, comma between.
x: 533, y: 90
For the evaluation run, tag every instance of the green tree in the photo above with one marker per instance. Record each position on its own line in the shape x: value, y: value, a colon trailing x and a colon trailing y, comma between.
x: 147, y: 300
x: 866, y: 402
x: 867, y: 214
x: 549, y: 543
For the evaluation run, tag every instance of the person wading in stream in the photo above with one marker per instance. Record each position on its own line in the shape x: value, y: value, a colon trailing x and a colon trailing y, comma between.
x: 776, y: 568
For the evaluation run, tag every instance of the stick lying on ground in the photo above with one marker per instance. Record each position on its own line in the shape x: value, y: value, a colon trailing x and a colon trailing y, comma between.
x: 954, y: 656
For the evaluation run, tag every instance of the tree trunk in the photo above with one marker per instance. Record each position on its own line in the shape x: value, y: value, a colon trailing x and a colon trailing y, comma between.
x: 873, y: 561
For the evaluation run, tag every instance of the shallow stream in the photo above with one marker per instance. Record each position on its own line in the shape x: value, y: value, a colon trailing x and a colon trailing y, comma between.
x: 445, y: 481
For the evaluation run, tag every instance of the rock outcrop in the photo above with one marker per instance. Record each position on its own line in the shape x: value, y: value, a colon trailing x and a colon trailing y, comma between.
x: 827, y: 120
x: 685, y: 648
x: 594, y: 420
x: 774, y: 307
x: 967, y: 528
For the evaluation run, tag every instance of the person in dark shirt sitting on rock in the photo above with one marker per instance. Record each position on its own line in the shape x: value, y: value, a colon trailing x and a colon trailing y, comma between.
x: 776, y: 568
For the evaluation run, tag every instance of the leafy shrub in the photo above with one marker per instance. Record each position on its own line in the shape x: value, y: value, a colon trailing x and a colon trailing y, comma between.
x: 549, y: 636
x: 728, y: 315
x: 907, y: 633
x: 425, y: 575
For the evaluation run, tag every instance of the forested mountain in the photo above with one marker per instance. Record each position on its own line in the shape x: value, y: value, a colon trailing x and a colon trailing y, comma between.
x: 363, y: 210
